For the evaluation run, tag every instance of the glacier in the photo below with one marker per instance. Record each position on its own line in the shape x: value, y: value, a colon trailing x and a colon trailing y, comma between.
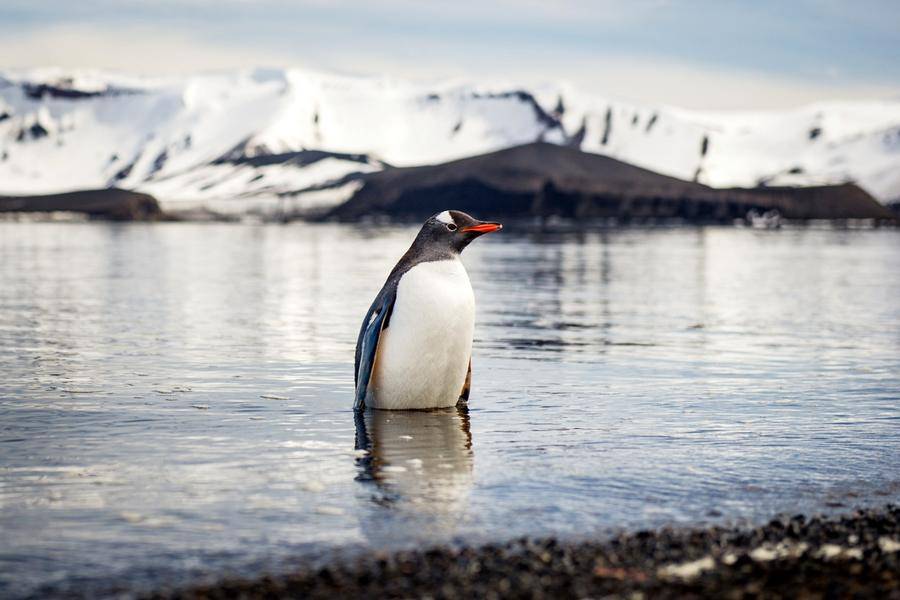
x: 297, y: 140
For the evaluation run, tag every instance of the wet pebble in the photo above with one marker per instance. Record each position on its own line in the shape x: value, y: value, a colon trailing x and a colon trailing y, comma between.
x: 857, y: 555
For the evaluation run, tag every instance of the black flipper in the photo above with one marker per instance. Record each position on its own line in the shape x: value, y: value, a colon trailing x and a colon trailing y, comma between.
x: 467, y: 386
x: 376, y: 321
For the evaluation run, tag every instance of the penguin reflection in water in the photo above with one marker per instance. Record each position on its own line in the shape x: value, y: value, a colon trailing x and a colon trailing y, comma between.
x: 418, y: 467
x: 414, y: 349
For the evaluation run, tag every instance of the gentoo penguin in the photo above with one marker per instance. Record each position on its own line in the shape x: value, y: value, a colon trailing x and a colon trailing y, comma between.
x: 414, y: 349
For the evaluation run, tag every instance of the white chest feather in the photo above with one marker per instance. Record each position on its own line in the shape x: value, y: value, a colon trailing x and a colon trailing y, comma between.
x: 424, y: 353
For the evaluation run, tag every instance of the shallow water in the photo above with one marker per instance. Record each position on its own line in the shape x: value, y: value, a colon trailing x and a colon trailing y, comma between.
x: 175, y: 398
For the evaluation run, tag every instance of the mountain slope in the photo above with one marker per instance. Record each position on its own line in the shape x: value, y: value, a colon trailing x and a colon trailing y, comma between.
x: 547, y: 180
x: 297, y: 140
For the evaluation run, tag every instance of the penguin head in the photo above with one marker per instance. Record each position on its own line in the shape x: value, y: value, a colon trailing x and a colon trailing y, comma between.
x: 454, y: 230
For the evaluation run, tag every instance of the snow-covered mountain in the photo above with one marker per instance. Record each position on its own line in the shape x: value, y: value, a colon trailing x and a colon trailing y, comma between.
x: 297, y: 139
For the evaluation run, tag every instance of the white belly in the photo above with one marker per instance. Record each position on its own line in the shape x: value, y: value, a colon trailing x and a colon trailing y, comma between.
x: 423, y: 355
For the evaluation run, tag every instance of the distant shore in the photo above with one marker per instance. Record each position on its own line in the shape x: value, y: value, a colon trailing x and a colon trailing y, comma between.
x: 112, y: 204
x: 856, y: 554
x: 116, y: 205
x: 538, y: 181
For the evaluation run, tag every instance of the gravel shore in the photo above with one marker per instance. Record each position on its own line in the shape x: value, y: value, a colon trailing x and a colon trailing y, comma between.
x: 856, y: 555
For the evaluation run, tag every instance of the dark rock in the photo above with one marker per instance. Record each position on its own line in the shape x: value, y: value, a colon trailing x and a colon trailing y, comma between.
x: 36, y: 91
x: 122, y: 173
x: 542, y: 116
x: 37, y: 131
x: 159, y: 161
x: 577, y: 138
x: 111, y: 203
x: 671, y: 563
x: 300, y: 158
x: 65, y: 89
x: 545, y: 180
x: 560, y: 108
x: 607, y: 127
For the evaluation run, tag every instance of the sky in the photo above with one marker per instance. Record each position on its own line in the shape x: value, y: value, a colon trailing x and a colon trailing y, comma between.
x: 710, y: 54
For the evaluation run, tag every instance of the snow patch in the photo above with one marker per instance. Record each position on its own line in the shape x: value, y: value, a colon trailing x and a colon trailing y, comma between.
x: 188, y: 140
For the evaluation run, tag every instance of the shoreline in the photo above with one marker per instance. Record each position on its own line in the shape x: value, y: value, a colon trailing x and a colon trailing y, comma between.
x: 797, y: 557
x: 551, y: 225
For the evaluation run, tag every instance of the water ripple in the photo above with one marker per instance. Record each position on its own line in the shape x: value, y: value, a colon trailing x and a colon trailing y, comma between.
x: 177, y: 395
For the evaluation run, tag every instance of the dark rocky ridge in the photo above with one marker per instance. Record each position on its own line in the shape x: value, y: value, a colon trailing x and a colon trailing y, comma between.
x: 300, y: 158
x: 546, y: 180
x: 111, y: 203
x: 65, y: 88
x: 853, y: 556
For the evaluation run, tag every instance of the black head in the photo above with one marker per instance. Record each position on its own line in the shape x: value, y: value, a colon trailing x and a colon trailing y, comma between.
x: 442, y: 236
x: 452, y: 231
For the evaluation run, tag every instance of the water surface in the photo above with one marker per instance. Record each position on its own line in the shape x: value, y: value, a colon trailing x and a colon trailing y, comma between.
x: 175, y: 398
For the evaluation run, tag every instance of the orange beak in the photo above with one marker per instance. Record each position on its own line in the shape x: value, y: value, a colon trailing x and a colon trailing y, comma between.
x: 483, y: 228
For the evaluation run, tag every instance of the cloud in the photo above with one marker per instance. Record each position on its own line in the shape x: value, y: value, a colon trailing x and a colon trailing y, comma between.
x: 660, y: 81
x: 142, y: 50
x: 643, y: 78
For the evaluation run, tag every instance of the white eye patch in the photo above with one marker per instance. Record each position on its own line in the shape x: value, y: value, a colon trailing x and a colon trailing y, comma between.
x: 445, y: 218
